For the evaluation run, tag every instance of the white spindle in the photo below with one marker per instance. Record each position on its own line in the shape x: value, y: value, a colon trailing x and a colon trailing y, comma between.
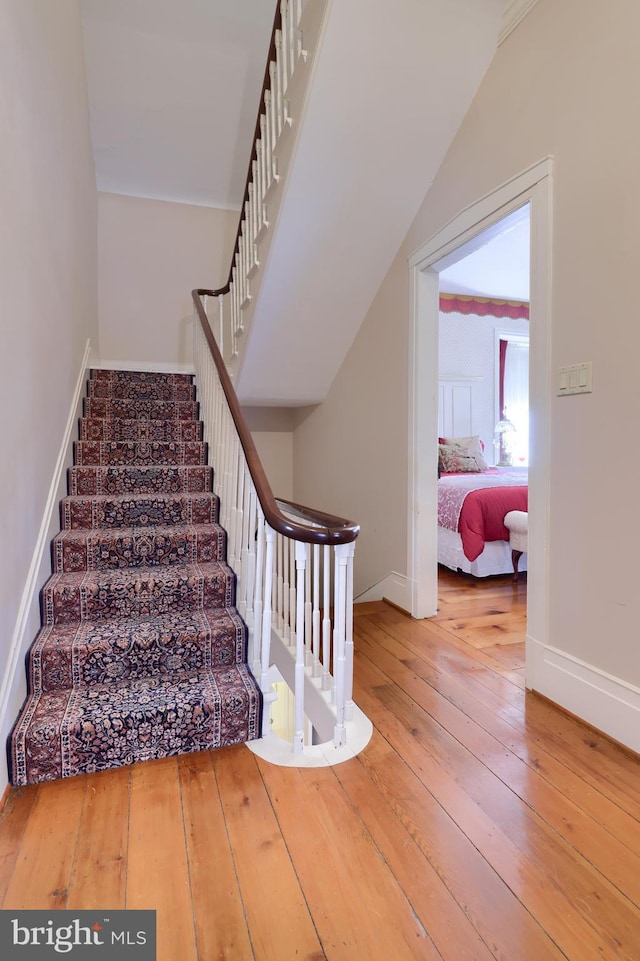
x: 349, y: 649
x: 316, y: 610
x: 298, y: 737
x: 340, y: 594
x: 259, y: 581
x: 278, y: 85
x: 286, y: 594
x: 265, y: 646
x: 292, y: 592
x: 326, y: 621
x: 307, y: 611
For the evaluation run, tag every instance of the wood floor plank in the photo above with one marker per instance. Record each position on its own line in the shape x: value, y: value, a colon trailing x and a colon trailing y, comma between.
x: 99, y: 875
x: 158, y: 874
x: 550, y: 854
x: 612, y: 854
x: 455, y: 688
x: 14, y: 819
x: 504, y: 925
x: 446, y: 921
x: 538, y: 888
x: 221, y: 927
x: 279, y: 922
x: 43, y: 867
x: 333, y: 853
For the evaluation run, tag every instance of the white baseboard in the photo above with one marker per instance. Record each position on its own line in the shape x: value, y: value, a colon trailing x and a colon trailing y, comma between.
x: 395, y: 588
x: 152, y: 366
x: 13, y: 689
x: 605, y: 702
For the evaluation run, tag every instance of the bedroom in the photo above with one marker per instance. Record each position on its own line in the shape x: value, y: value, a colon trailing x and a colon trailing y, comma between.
x: 483, y: 396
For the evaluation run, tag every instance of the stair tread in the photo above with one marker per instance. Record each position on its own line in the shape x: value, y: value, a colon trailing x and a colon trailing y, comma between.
x: 132, y: 509
x: 160, y: 530
x: 103, y: 548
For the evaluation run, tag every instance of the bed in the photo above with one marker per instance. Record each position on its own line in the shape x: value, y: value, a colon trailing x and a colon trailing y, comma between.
x: 471, y: 507
x: 473, y: 499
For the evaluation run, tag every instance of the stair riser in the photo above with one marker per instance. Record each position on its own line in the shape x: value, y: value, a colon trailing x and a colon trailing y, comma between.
x: 99, y: 551
x: 81, y: 655
x: 175, y: 479
x: 139, y: 376
x: 123, y: 454
x: 141, y: 391
x: 137, y: 431
x: 138, y: 511
x: 144, y: 722
x: 139, y: 409
x: 91, y: 596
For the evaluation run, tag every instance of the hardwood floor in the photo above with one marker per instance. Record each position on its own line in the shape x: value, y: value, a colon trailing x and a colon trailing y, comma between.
x: 479, y: 823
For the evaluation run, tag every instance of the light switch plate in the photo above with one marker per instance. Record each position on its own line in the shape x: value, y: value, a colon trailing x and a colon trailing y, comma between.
x: 574, y: 379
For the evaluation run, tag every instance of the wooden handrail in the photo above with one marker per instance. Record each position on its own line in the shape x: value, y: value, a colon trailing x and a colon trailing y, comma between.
x: 325, y: 529
x: 266, y: 85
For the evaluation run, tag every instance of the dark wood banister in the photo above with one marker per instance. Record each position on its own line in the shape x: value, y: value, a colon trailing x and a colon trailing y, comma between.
x: 326, y: 529
x: 266, y: 85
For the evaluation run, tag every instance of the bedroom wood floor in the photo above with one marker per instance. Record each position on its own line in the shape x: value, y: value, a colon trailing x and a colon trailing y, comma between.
x: 479, y: 823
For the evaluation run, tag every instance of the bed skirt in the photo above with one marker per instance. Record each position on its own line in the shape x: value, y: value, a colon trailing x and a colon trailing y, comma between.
x: 495, y: 558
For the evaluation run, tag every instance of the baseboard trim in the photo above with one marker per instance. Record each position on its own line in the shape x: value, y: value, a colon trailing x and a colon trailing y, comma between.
x: 152, y: 366
x: 394, y: 587
x: 30, y: 594
x: 602, y: 701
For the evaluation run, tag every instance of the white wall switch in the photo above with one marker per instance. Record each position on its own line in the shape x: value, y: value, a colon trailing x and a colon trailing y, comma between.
x: 574, y: 379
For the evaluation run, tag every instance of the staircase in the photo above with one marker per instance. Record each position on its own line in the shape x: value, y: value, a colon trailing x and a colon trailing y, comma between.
x: 142, y: 653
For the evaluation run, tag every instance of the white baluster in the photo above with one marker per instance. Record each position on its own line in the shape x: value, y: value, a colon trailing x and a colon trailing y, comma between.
x: 221, y: 323
x: 284, y: 46
x: 326, y: 622
x: 268, y: 139
x: 316, y: 610
x: 298, y: 737
x: 249, y: 559
x: 265, y: 646
x: 307, y: 611
x: 286, y: 593
x: 277, y: 76
x: 292, y: 593
x: 259, y: 581
x: 340, y: 593
x: 349, y: 650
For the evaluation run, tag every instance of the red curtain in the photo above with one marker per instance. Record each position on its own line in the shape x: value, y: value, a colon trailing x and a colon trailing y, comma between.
x: 503, y: 358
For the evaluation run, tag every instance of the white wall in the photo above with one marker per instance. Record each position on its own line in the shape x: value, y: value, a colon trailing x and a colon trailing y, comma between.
x: 49, y: 298
x: 151, y: 254
x: 563, y: 84
x: 272, y: 432
x: 467, y: 348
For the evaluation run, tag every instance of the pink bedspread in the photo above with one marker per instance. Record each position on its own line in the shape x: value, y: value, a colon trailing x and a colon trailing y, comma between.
x: 475, y: 505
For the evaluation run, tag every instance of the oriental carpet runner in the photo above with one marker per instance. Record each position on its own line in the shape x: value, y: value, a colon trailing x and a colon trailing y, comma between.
x: 141, y: 653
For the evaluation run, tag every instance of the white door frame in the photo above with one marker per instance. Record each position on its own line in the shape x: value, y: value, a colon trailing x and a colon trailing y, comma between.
x: 533, y: 186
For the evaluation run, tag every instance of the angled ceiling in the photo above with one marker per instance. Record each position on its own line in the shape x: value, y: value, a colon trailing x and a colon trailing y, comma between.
x: 174, y: 88
x: 496, y: 263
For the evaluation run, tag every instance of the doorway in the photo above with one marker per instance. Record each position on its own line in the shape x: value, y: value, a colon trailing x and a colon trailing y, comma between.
x: 448, y: 246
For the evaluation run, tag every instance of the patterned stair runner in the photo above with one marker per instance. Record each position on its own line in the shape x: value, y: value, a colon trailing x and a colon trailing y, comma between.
x: 141, y: 653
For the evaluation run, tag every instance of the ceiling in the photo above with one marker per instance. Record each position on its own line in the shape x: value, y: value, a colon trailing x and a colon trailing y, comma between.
x: 495, y: 263
x: 169, y: 81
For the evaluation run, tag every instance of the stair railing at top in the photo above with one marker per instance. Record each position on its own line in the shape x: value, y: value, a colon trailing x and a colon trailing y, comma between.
x: 295, y: 32
x: 299, y: 612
